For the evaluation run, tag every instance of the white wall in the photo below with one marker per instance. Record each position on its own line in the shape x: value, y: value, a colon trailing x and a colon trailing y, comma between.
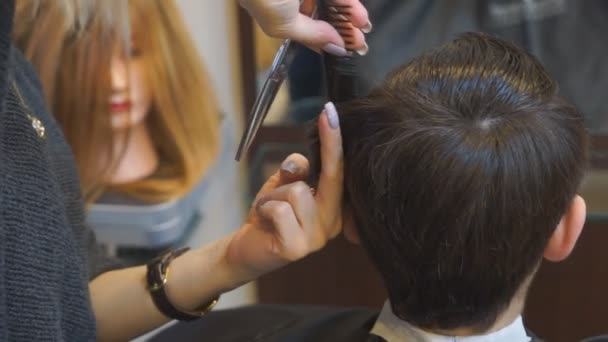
x: 214, y: 29
x: 213, y: 24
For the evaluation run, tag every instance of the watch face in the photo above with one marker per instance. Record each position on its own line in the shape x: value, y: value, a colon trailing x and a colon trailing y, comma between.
x: 157, y: 268
x: 155, y: 274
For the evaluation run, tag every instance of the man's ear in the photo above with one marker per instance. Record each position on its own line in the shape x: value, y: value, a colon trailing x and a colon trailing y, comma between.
x: 568, y: 230
x: 350, y: 230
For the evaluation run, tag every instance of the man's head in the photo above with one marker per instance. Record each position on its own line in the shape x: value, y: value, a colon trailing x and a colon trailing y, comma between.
x: 461, y: 172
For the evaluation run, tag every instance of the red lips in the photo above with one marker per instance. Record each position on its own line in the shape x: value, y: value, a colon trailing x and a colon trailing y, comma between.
x: 119, y: 107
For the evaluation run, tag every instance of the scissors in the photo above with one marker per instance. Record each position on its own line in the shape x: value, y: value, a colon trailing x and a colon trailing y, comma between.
x: 278, y: 73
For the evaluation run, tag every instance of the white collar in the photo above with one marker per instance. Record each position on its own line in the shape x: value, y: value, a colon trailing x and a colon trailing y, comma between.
x: 394, y: 329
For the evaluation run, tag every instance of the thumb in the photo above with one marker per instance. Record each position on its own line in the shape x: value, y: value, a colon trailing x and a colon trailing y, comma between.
x: 294, y: 168
x: 316, y: 34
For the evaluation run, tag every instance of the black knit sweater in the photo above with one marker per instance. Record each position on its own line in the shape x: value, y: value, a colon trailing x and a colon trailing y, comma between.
x: 47, y: 255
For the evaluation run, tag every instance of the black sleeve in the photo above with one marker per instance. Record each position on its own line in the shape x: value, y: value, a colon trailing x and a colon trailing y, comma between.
x: 6, y: 15
x: 7, y: 9
x: 98, y: 259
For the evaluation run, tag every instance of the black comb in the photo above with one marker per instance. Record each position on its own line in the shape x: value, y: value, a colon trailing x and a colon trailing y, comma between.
x: 340, y: 77
x: 341, y: 81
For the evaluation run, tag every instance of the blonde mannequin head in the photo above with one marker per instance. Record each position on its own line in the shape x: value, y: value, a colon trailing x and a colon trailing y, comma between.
x: 78, y: 70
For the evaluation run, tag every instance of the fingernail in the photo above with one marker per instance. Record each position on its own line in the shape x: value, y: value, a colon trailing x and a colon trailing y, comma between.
x: 368, y: 27
x: 263, y: 200
x: 363, y: 51
x: 336, y: 50
x: 290, y: 167
x: 332, y: 115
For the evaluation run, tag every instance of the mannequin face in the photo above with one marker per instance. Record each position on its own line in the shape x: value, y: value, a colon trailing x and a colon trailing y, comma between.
x: 131, y: 100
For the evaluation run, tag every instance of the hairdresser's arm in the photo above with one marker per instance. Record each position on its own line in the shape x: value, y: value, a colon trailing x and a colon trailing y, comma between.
x: 288, y: 223
x: 287, y: 19
x: 122, y: 303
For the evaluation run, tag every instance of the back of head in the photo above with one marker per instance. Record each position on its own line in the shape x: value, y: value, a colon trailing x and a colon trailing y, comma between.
x: 457, y: 170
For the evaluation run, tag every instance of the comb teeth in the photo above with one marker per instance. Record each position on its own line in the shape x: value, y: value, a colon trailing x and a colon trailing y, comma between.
x: 338, y: 16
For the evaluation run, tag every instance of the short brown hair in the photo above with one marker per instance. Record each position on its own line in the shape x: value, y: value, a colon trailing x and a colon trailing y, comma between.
x: 458, y: 169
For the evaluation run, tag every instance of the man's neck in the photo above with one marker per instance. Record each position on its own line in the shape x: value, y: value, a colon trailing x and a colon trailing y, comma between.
x: 507, y: 328
x: 505, y: 319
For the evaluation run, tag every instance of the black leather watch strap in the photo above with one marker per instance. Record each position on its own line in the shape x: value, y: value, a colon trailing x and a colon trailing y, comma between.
x: 157, y: 276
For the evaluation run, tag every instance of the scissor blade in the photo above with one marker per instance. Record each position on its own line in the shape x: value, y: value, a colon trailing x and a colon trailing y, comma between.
x: 281, y: 63
x: 258, y: 114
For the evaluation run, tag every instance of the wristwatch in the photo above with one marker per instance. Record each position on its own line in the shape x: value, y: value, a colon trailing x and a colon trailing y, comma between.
x: 157, y: 277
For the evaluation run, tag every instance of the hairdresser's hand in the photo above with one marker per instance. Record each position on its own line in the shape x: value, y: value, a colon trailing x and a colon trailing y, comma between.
x: 286, y: 19
x: 289, y: 221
